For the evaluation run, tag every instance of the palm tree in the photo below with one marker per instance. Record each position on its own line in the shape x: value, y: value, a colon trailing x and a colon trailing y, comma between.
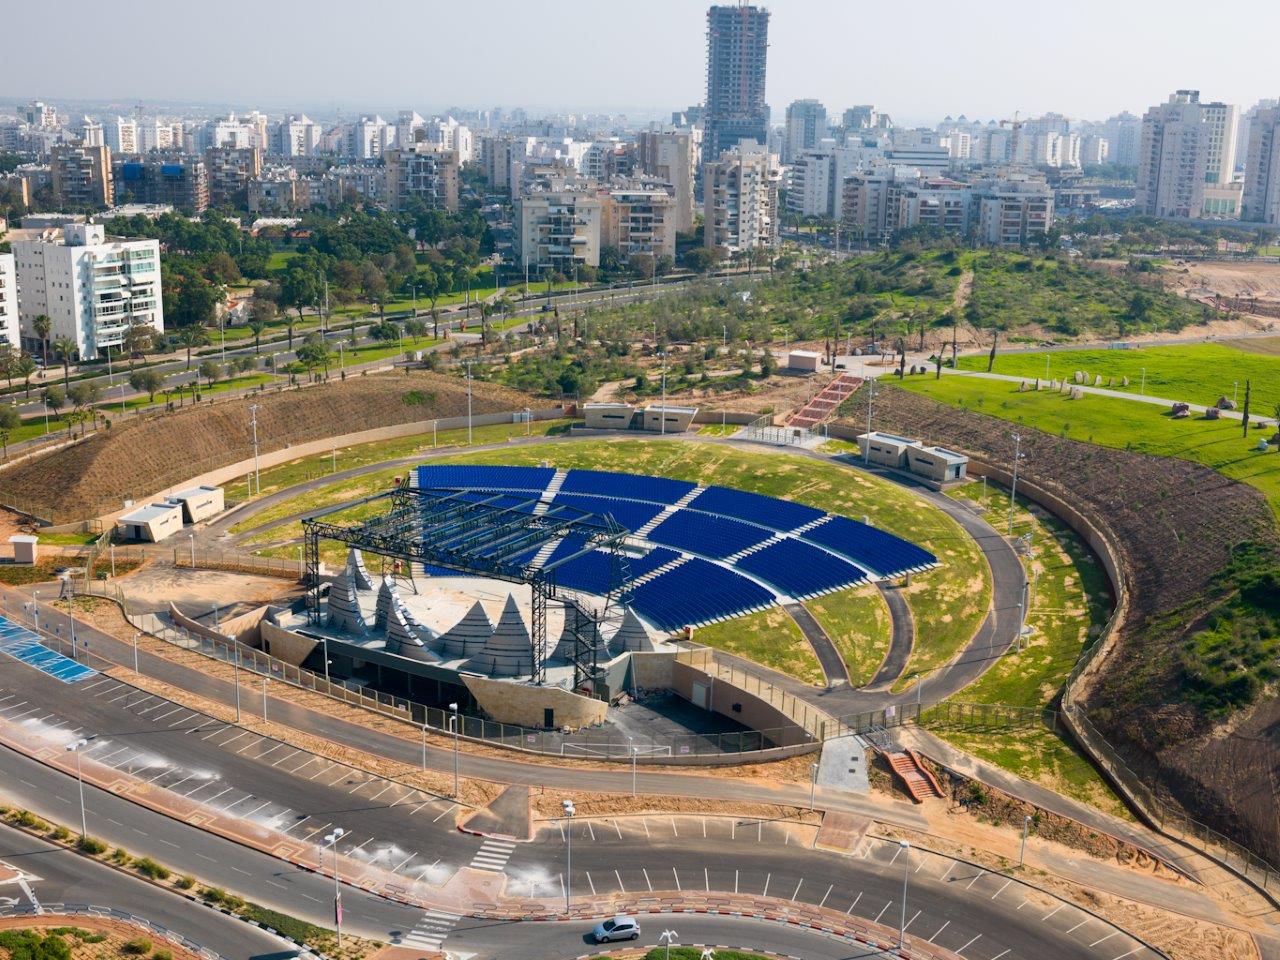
x: 256, y: 326
x: 24, y: 368
x: 192, y: 336
x: 42, y: 325
x: 64, y: 347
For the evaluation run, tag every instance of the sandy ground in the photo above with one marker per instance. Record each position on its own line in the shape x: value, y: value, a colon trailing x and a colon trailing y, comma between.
x: 1247, y: 279
x: 196, y: 592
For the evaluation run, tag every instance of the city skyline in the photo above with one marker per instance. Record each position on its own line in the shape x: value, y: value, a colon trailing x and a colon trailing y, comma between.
x: 1106, y: 59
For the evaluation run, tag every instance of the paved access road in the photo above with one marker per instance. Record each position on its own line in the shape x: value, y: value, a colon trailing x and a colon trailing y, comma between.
x: 237, y: 774
x: 58, y: 875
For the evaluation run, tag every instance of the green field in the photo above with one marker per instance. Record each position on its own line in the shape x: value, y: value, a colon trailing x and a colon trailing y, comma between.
x: 769, y: 637
x: 948, y: 603
x: 1113, y: 422
x: 858, y: 623
x: 1197, y: 373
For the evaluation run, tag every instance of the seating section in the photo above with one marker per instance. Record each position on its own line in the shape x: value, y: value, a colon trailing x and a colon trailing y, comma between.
x: 593, y: 572
x: 799, y: 569
x: 769, y: 511
x: 626, y: 486
x: 708, y: 535
x: 877, y: 551
x: 696, y: 592
x: 628, y: 513
x: 472, y: 477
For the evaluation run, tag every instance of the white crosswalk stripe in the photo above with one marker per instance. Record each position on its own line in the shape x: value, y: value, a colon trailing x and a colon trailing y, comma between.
x: 493, y: 855
x: 431, y: 930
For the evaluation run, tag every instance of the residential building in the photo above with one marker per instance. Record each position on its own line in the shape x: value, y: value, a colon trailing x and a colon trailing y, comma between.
x: 9, y: 335
x: 816, y: 178
x: 276, y: 190
x: 296, y: 136
x: 410, y: 128
x: 122, y: 136
x: 498, y: 155
x: 230, y: 169
x: 1124, y: 139
x: 740, y: 199
x: 1186, y: 144
x: 671, y: 155
x: 1261, y: 201
x: 452, y: 135
x: 605, y: 159
x: 737, y: 52
x: 81, y: 176
x: 1094, y: 150
x: 93, y: 288
x: 426, y: 171
x: 639, y: 218
x: 179, y: 180
x: 806, y: 127
x: 90, y: 132
x: 353, y: 184
x: 1013, y: 211
x: 557, y: 229
x: 369, y: 138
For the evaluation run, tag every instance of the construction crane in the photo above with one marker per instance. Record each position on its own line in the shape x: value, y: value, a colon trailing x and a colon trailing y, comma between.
x: 1015, y: 134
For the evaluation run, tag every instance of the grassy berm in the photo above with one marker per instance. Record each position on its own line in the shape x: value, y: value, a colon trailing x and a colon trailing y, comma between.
x: 1186, y: 693
x: 142, y: 457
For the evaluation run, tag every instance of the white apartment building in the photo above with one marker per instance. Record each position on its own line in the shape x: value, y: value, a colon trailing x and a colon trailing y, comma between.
x: 740, y: 199
x: 555, y: 230
x: 9, y: 328
x: 408, y: 127
x: 92, y: 288
x: 368, y: 138
x: 296, y: 136
x: 122, y: 136
x: 452, y: 135
x: 1261, y: 201
x: 1124, y: 139
x: 1013, y: 211
x: 639, y: 219
x: 816, y: 178
x: 671, y: 154
x: 806, y: 127
x: 1185, y: 145
x: 426, y: 171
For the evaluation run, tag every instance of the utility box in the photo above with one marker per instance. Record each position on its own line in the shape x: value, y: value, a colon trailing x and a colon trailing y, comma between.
x: 25, y: 548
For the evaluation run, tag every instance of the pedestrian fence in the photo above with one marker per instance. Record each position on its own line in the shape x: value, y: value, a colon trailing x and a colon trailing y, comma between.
x: 110, y: 913
x: 236, y: 561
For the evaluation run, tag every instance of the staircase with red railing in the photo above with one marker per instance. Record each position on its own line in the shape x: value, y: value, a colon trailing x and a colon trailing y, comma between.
x: 920, y: 783
x: 822, y: 405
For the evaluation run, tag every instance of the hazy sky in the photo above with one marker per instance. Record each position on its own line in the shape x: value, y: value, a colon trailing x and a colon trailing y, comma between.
x: 918, y: 61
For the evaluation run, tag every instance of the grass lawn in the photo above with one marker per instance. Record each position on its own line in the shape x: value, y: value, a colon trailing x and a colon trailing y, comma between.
x: 68, y: 539
x: 719, y: 429
x: 279, y: 260
x: 1112, y: 422
x: 858, y: 623
x: 1196, y: 373
x: 1069, y: 606
x: 244, y: 382
x: 769, y: 637
x: 948, y: 603
x: 346, y: 458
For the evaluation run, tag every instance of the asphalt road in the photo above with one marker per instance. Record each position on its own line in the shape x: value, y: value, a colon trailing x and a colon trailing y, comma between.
x: 238, y: 774
x: 60, y: 875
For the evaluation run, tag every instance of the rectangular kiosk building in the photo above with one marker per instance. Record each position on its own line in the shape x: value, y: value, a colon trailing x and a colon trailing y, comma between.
x: 154, y: 522
x: 936, y: 464
x: 198, y: 503
x: 623, y: 416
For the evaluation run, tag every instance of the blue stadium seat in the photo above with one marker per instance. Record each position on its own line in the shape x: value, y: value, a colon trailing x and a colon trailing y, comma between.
x: 708, y: 535
x: 697, y: 592
x: 626, y: 486
x: 874, y: 549
x: 800, y: 569
x: 768, y: 511
x: 627, y: 513
x: 474, y: 477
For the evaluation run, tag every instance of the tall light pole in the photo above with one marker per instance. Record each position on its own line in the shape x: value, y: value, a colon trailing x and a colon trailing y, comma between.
x: 668, y: 937
x: 331, y: 839
x: 813, y: 783
x: 871, y: 395
x: 327, y: 681
x: 568, y: 869
x: 467, y: 364
x: 1013, y: 489
x: 453, y: 721
x: 664, y: 392
x: 1026, y: 827
x: 257, y: 477
x: 191, y: 537
x: 632, y: 743
x: 135, y: 652
x: 235, y: 666
x: 75, y: 748
x: 424, y: 744
x: 904, y: 847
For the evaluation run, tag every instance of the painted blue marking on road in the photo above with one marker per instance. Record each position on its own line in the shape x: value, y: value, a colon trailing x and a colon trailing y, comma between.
x: 24, y: 646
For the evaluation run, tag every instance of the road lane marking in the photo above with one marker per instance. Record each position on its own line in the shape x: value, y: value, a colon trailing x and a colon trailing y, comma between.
x: 855, y: 903
x: 1129, y: 954
x: 1002, y: 889
x: 797, y: 893
x: 619, y: 876
x: 1001, y: 954
x: 767, y: 878
x: 882, y: 910
x: 1080, y: 924
x: 961, y: 951
x: 287, y: 756
x: 1052, y: 912
x: 934, y: 938
x: 591, y: 883
x: 646, y: 879
x: 451, y: 806
x: 911, y: 921
x: 1101, y: 939
x: 827, y: 894
x: 976, y: 877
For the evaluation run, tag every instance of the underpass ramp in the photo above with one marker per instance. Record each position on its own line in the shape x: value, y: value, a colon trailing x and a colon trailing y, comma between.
x: 507, y: 816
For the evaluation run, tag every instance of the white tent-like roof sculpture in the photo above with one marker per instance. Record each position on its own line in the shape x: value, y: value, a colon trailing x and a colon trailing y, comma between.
x: 632, y: 636
x: 509, y: 652
x: 356, y: 560
x: 387, y: 599
x: 403, y: 638
x: 565, y: 645
x: 344, y: 603
x: 469, y: 635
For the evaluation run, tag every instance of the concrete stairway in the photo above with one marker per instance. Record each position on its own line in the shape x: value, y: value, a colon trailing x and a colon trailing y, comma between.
x: 920, y: 783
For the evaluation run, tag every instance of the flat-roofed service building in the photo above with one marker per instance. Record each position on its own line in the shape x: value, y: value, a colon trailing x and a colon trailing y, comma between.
x: 937, y: 463
x: 886, y: 449
x: 153, y: 523
x: 660, y: 419
x: 608, y: 416
x: 199, y: 503
x: 623, y: 416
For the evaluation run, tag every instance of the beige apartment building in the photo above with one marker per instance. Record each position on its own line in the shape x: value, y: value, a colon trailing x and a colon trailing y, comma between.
x: 740, y: 199
x: 81, y: 176
x: 426, y: 171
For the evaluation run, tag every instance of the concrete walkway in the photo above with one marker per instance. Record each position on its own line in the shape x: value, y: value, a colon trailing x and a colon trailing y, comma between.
x: 901, y: 641
x: 833, y: 667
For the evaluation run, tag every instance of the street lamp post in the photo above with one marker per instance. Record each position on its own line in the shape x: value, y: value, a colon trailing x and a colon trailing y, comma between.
x: 331, y: 839
x: 75, y: 748
x: 664, y: 393
x: 568, y: 869
x: 668, y: 937
x: 327, y: 681
x: 235, y: 665
x: 453, y: 720
x: 1026, y: 827
x: 424, y: 744
x: 1013, y: 489
x: 264, y: 699
x: 904, y: 846
x: 135, y: 652
x: 253, y: 410
x: 191, y: 538
x: 631, y: 741
x: 813, y: 783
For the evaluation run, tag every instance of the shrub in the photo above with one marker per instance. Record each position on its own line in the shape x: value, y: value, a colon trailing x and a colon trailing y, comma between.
x: 60, y: 833
x: 185, y: 882
x: 91, y: 845
x: 138, y: 946
x: 25, y: 818
x: 150, y: 868
x: 120, y: 855
x: 162, y: 955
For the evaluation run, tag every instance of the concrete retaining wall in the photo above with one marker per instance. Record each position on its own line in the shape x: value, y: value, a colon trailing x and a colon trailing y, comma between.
x: 523, y: 705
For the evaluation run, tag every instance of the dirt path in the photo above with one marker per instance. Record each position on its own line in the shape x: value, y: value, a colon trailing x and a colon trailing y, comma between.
x: 960, y: 299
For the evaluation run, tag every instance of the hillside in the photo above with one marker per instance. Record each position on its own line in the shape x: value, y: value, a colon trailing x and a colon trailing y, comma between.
x: 1183, y: 694
x: 142, y: 457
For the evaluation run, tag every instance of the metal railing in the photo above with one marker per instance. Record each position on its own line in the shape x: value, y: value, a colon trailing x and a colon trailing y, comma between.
x: 110, y: 913
x: 205, y: 559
